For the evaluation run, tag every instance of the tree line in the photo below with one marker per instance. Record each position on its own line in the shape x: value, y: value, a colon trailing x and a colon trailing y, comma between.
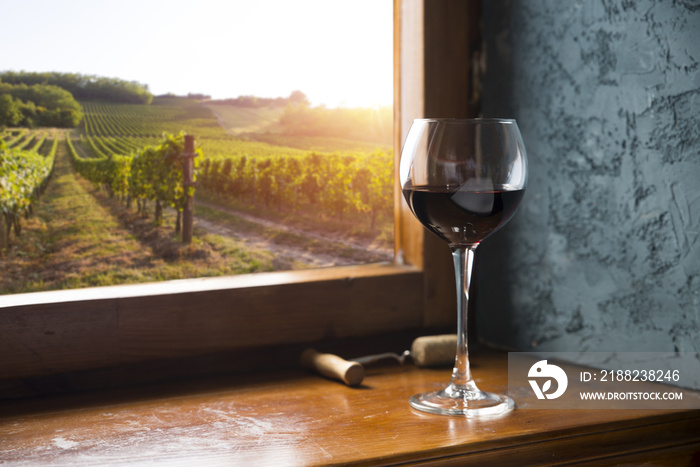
x: 32, y: 99
x: 296, y: 98
x: 42, y: 105
x: 84, y: 87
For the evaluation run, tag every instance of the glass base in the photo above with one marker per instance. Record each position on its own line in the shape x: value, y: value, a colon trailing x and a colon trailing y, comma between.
x: 469, y: 403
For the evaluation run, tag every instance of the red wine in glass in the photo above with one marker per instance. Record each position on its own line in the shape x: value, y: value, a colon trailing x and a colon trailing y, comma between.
x: 462, y: 217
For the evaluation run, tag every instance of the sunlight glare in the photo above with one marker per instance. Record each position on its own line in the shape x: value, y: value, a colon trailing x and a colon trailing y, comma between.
x: 337, y: 52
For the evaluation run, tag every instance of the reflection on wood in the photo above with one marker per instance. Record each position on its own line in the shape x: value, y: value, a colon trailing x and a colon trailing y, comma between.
x: 302, y: 419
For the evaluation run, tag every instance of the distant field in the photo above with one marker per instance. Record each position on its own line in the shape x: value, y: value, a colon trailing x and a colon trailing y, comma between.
x: 237, y: 120
x: 220, y: 130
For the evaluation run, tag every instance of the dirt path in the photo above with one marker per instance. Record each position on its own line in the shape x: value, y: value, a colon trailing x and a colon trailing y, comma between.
x: 222, y: 122
x: 284, y: 254
x: 310, y: 248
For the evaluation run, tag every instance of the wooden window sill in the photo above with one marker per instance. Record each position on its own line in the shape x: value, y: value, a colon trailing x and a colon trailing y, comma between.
x: 295, y: 418
x: 71, y: 331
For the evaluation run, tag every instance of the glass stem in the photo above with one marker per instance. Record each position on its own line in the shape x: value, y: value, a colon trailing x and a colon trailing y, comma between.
x: 461, y: 374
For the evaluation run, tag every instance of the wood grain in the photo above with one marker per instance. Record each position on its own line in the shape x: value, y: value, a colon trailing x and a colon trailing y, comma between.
x: 296, y: 418
x: 99, y: 328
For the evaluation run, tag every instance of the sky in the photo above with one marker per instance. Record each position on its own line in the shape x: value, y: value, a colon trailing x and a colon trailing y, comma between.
x: 337, y: 52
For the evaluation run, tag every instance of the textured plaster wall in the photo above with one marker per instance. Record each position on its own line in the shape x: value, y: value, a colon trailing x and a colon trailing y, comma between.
x: 604, y: 254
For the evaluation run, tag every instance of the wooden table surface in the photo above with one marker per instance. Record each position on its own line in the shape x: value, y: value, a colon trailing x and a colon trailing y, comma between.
x: 295, y: 418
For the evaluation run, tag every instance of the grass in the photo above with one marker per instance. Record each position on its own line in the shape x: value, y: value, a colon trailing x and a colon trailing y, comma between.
x: 78, y: 237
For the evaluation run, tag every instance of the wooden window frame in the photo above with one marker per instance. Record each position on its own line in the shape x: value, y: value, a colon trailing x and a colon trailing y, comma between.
x: 64, y: 332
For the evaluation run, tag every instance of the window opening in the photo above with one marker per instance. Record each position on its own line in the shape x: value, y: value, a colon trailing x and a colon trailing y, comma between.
x: 290, y: 107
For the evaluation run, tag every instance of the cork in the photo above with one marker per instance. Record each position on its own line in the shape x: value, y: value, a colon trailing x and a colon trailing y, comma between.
x: 429, y: 351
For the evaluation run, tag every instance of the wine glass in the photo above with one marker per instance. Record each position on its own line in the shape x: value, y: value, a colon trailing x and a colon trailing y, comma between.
x: 463, y: 179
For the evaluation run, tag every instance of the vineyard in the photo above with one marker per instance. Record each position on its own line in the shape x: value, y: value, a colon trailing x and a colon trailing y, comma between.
x: 352, y: 184
x: 327, y: 193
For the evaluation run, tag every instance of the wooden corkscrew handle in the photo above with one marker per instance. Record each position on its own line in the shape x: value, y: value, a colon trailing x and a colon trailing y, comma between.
x: 333, y: 366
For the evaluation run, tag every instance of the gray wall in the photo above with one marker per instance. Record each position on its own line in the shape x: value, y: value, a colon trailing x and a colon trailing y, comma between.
x: 604, y: 254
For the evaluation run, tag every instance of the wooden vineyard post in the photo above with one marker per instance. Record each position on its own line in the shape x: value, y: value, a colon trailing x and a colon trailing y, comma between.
x: 187, y: 175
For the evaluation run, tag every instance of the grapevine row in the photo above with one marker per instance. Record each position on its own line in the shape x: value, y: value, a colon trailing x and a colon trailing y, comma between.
x: 23, y: 176
x: 154, y: 173
x: 341, y: 184
x: 15, y: 139
x: 110, y: 119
